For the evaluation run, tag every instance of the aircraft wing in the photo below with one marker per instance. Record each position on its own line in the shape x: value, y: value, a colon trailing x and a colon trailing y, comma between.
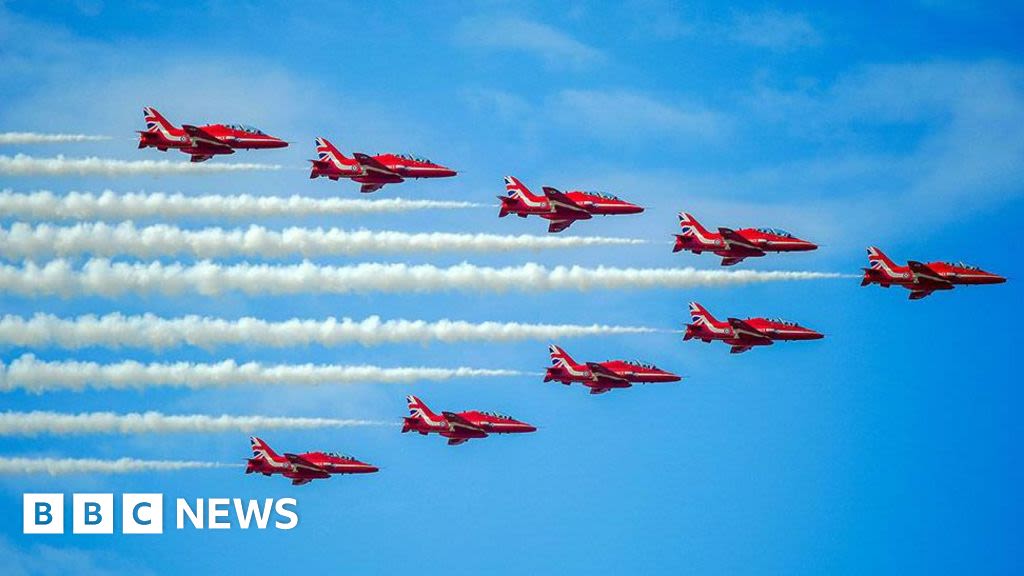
x: 918, y: 294
x: 457, y: 441
x: 747, y: 333
x: 606, y: 377
x: 731, y: 260
x: 737, y: 242
x: 459, y: 423
x: 599, y: 390
x: 306, y: 469
x: 562, y: 204
x: 556, y: 226
x: 203, y: 137
x: 925, y: 275
x: 371, y: 164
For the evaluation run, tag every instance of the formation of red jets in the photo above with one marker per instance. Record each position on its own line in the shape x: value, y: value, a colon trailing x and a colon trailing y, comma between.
x: 561, y: 210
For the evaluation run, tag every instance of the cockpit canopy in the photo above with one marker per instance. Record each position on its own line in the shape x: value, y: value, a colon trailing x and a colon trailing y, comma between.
x: 775, y: 232
x: 961, y: 265
x: 414, y: 158
x: 781, y: 321
x: 642, y: 364
x: 339, y: 456
x: 245, y: 128
x: 604, y: 195
x: 497, y: 415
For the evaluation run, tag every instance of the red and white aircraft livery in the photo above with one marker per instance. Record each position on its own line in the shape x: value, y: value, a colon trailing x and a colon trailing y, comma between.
x: 302, y: 468
x: 601, y: 377
x: 458, y: 427
x: 202, y: 142
x: 373, y: 172
x: 562, y: 209
x: 735, y: 245
x: 744, y: 334
x: 923, y: 279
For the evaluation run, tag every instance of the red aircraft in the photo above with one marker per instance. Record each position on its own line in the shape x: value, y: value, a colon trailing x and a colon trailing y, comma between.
x: 923, y: 279
x: 735, y: 245
x: 202, y: 142
x: 459, y: 427
x: 302, y: 468
x: 562, y: 209
x: 601, y: 377
x: 744, y: 334
x: 373, y: 172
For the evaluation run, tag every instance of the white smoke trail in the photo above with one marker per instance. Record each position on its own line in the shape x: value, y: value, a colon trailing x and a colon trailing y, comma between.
x: 38, y: 138
x: 28, y: 373
x: 45, y: 205
x: 154, y: 332
x: 56, y: 423
x: 24, y: 165
x: 62, y: 466
x: 101, y: 277
x: 99, y: 239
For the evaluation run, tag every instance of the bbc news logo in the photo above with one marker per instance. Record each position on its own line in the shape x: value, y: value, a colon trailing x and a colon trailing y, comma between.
x: 144, y: 513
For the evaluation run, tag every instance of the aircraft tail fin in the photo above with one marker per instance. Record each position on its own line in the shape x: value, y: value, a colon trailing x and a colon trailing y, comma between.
x: 262, y: 451
x: 700, y: 319
x: 877, y: 258
x: 155, y: 122
x: 418, y: 412
x: 561, y: 358
x: 325, y: 150
x: 517, y: 190
x: 880, y: 267
x: 690, y: 226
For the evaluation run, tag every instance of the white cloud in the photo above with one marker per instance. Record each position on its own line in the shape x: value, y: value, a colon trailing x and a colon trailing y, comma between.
x: 624, y: 114
x: 512, y: 33
x: 775, y: 30
x: 962, y: 144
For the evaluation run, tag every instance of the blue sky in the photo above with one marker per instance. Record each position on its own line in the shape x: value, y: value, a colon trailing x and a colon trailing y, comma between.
x: 889, y: 447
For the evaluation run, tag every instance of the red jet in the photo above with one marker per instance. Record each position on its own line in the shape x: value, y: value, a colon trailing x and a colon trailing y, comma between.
x: 744, y: 334
x: 601, y: 377
x: 202, y: 142
x: 735, y: 245
x: 459, y: 427
x: 562, y: 209
x: 923, y: 279
x: 302, y: 468
x: 373, y: 172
